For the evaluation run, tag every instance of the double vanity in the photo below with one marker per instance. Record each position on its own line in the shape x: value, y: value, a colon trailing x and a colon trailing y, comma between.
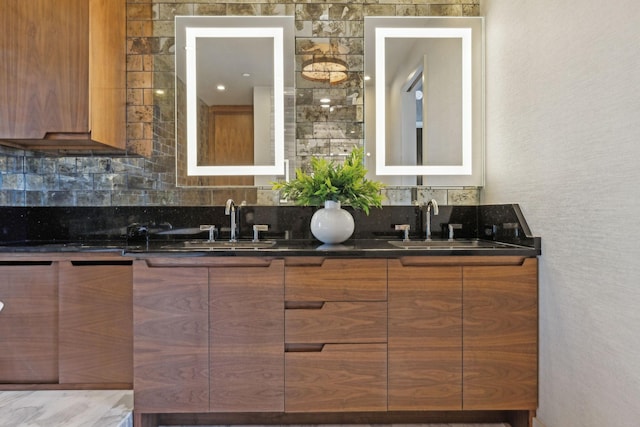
x: 283, y: 330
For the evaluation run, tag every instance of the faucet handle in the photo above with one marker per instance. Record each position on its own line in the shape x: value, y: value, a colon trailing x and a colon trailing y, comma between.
x: 257, y: 228
x: 405, y: 228
x: 453, y: 227
x: 512, y: 226
x: 212, y: 231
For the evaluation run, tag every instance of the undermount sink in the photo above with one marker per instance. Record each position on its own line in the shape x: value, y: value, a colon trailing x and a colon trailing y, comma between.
x: 443, y: 244
x: 221, y: 245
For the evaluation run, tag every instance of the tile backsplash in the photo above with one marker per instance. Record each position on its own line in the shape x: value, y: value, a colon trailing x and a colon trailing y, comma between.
x: 147, y: 176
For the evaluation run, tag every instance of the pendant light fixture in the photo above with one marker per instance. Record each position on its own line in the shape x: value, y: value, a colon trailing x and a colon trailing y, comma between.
x: 325, y: 69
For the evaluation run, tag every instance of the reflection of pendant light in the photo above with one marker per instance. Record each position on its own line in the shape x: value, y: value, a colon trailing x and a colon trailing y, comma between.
x: 325, y: 69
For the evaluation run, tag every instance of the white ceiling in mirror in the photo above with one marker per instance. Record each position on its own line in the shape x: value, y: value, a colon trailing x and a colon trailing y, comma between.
x: 425, y: 99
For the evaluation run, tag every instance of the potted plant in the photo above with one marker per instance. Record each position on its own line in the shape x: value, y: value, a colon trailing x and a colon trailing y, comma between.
x: 333, y: 185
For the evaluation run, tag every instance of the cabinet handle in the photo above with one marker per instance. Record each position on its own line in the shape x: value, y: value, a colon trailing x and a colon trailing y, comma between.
x: 1, y: 305
x: 303, y: 305
x: 100, y: 262
x: 303, y: 348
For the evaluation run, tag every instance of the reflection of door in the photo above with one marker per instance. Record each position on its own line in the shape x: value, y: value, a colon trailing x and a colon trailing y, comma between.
x: 230, y: 141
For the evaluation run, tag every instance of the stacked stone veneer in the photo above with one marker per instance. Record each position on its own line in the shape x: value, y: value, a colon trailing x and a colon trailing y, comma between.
x: 147, y: 175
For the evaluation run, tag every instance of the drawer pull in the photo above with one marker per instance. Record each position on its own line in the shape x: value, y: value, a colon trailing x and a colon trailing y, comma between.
x: 304, y: 305
x: 303, y: 348
x: 1, y: 305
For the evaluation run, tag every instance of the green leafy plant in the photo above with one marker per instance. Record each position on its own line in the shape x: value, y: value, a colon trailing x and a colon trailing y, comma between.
x: 344, y: 183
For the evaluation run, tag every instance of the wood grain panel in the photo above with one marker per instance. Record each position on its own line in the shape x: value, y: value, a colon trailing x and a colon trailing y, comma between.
x: 337, y: 280
x: 425, y: 337
x: 107, y: 72
x: 339, y: 378
x: 29, y: 324
x: 44, y: 48
x: 171, y: 338
x: 338, y: 322
x: 229, y: 141
x: 500, y: 330
x: 247, y: 338
x: 96, y: 323
x: 64, y: 85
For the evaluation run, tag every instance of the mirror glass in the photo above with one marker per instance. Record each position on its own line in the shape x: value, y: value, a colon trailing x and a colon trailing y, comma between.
x: 424, y: 100
x: 233, y: 75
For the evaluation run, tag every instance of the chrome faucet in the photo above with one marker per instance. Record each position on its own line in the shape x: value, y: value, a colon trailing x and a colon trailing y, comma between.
x: 230, y: 209
x: 431, y: 203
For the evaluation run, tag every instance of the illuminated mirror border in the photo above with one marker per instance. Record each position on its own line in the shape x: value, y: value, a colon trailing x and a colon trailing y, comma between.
x: 274, y: 33
x: 381, y: 34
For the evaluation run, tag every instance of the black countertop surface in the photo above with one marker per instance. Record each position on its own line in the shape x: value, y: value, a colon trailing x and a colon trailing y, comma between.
x: 368, y: 248
x: 162, y: 231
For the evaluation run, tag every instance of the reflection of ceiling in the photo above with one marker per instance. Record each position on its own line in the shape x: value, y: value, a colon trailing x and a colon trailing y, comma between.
x: 224, y: 61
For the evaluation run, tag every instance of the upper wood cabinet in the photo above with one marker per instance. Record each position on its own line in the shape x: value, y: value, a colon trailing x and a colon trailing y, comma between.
x: 29, y: 322
x: 63, y: 84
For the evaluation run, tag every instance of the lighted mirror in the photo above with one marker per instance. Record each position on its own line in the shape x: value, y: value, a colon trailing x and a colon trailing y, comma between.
x: 424, y: 100
x: 234, y: 77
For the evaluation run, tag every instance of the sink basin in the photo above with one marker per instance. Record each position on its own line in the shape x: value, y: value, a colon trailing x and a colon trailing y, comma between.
x: 221, y: 245
x: 444, y: 244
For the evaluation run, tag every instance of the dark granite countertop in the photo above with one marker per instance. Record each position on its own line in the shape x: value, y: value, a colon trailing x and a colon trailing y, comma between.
x: 162, y: 231
x: 369, y: 248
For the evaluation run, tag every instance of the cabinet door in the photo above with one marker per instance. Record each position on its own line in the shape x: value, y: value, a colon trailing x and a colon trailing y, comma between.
x: 425, y: 337
x: 247, y: 338
x: 45, y: 51
x: 337, y: 378
x: 500, y: 329
x: 95, y: 330
x: 348, y: 322
x: 29, y: 323
x: 171, y: 338
x: 63, y: 83
x: 336, y: 279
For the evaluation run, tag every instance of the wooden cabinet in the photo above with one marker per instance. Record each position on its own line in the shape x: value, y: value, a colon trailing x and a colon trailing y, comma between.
x: 500, y: 333
x: 462, y: 336
x: 336, y: 335
x: 235, y: 335
x: 246, y: 333
x: 425, y: 337
x: 171, y: 338
x: 64, y: 79
x: 209, y: 335
x: 95, y: 322
x: 29, y: 322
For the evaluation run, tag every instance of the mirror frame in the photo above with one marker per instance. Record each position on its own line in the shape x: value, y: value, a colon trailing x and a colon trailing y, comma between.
x: 228, y: 27
x: 384, y: 28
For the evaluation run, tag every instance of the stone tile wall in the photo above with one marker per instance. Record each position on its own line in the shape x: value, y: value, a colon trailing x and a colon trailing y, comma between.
x: 147, y: 176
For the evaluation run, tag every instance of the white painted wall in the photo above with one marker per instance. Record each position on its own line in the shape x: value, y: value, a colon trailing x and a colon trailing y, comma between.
x: 563, y: 140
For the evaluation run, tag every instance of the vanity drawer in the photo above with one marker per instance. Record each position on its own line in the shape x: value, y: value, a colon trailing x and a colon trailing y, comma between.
x: 338, y: 378
x: 329, y: 279
x: 337, y: 322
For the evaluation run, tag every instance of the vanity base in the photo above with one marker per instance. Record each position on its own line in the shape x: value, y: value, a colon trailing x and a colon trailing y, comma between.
x: 521, y: 418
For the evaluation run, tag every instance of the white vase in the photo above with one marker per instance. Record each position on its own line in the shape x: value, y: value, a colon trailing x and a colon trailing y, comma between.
x: 332, y: 224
